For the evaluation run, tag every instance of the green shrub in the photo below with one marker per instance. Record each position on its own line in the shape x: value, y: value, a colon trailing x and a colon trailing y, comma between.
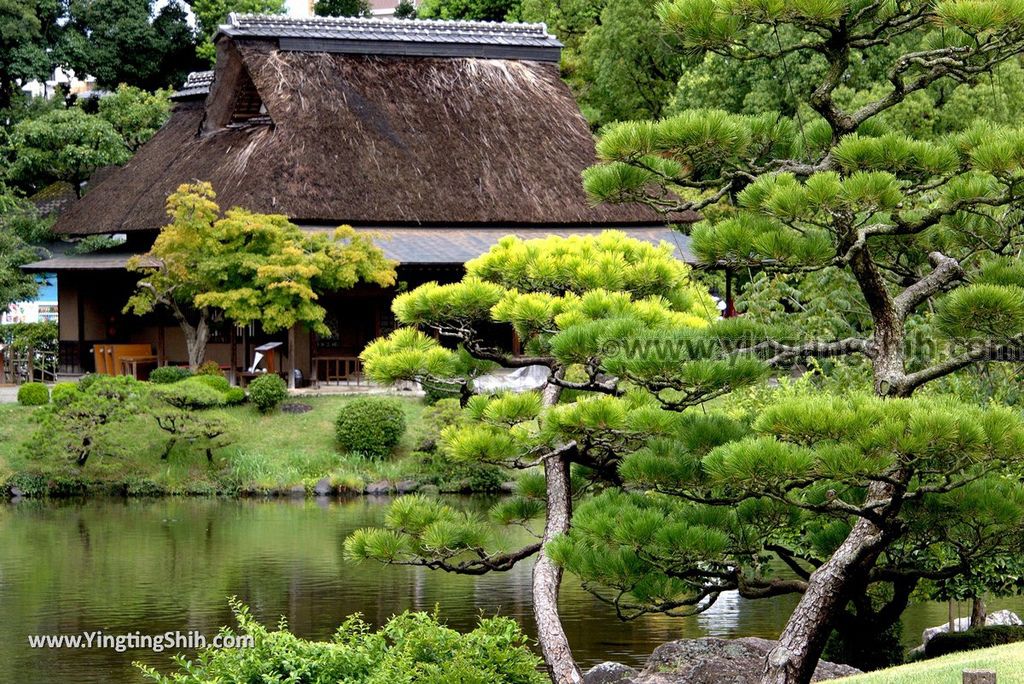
x: 234, y: 396
x: 411, y: 647
x: 441, y: 414
x: 371, y: 426
x: 433, y: 392
x: 87, y: 380
x: 189, y: 394
x: 64, y: 393
x: 211, y: 368
x: 33, y: 394
x: 215, y: 382
x: 267, y: 392
x: 944, y: 643
x: 169, y: 374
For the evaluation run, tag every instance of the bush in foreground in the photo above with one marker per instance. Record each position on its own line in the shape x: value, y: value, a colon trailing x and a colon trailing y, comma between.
x: 168, y: 375
x: 371, y: 426
x: 33, y: 394
x: 412, y: 647
x: 267, y: 392
x: 981, y: 637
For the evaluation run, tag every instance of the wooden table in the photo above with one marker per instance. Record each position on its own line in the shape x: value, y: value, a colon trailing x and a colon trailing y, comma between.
x: 130, y: 364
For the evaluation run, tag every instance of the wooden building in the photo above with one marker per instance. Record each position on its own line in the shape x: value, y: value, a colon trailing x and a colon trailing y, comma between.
x: 440, y: 137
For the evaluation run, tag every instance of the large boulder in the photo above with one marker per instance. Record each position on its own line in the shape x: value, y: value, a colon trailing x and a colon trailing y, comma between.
x: 1000, y: 617
x: 706, y: 661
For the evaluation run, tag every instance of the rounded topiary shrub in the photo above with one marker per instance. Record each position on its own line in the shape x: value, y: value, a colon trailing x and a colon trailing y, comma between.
x: 189, y: 395
x: 371, y: 426
x: 169, y: 374
x: 234, y: 395
x: 217, y: 382
x: 267, y: 392
x: 211, y: 368
x: 33, y: 394
x: 64, y: 393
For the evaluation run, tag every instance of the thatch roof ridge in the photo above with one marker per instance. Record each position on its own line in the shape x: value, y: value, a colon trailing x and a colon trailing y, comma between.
x: 368, y: 140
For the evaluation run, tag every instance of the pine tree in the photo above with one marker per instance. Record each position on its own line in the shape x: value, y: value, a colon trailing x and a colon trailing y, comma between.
x: 920, y: 225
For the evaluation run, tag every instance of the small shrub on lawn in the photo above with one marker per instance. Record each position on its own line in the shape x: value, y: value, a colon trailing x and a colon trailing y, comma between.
x: 64, y: 393
x: 33, y: 394
x: 234, y: 396
x: 371, y: 426
x: 944, y: 643
x: 211, y: 368
x: 216, y: 382
x: 267, y: 392
x: 168, y: 375
x: 191, y: 394
x: 411, y: 647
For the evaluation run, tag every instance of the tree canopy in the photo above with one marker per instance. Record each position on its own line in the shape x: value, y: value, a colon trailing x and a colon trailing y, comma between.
x: 246, y: 267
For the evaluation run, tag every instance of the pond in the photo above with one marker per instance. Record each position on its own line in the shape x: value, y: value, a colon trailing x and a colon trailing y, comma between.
x: 153, y: 566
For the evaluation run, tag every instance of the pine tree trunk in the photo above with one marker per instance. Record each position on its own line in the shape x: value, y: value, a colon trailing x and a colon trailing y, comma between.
x: 796, y: 656
x: 547, y: 576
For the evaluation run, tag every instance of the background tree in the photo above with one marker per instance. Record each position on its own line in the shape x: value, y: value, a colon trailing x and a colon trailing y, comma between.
x: 28, y: 32
x: 468, y: 10
x: 342, y: 8
x: 210, y: 14
x: 135, y: 114
x: 916, y: 223
x: 246, y: 268
x: 22, y: 232
x: 405, y: 10
x: 571, y: 301
x: 62, y: 145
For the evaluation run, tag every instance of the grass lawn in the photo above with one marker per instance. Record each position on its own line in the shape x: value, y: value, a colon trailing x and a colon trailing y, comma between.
x: 270, y: 453
x: 1007, y: 662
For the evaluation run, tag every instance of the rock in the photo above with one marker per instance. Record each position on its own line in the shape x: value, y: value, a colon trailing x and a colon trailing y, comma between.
x: 511, y: 488
x: 1000, y: 617
x: 297, y: 491
x: 720, y: 661
x: 406, y: 486
x: 378, y: 487
x: 610, y: 673
x: 323, y: 487
x: 16, y: 493
x: 296, y: 408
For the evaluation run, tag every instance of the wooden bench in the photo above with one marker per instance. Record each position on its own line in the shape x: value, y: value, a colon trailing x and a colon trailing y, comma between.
x: 109, y: 356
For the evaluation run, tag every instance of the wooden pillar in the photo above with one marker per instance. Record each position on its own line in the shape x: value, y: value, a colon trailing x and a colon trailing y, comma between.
x: 234, y: 356
x: 291, y: 357
x: 161, y: 345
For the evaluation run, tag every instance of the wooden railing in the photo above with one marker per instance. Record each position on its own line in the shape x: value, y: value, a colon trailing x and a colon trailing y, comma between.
x: 337, y: 369
x: 27, y: 365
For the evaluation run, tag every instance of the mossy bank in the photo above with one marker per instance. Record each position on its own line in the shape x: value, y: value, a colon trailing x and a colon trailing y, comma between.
x: 276, y: 454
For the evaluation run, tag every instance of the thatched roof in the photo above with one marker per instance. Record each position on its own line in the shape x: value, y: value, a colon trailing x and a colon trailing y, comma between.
x: 379, y: 140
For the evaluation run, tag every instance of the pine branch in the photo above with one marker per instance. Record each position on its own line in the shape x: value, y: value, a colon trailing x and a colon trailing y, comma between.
x: 475, y: 566
x: 945, y: 271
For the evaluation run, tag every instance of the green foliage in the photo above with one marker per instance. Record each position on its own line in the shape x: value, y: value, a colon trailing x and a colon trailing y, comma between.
x: 468, y: 10
x: 234, y: 396
x: 267, y: 392
x: 982, y: 637
x: 22, y: 336
x: 247, y: 267
x: 63, y: 145
x: 342, y: 8
x: 192, y: 393
x: 27, y: 39
x: 63, y: 393
x: 166, y: 375
x: 210, y: 368
x: 135, y: 114
x: 21, y: 230
x: 405, y: 9
x: 210, y: 14
x: 33, y: 394
x: 87, y: 422
x: 411, y: 647
x: 371, y: 426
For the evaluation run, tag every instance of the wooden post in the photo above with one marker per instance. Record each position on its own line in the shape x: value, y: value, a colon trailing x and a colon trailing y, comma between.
x: 161, y: 346
x: 979, y: 677
x: 234, y: 356
x: 291, y: 357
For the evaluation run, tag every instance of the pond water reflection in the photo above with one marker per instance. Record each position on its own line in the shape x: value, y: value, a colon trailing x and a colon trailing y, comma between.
x: 169, y: 564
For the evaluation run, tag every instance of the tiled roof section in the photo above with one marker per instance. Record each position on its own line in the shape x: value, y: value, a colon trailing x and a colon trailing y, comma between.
x: 408, y: 246
x: 196, y: 85
x: 54, y: 198
x: 406, y: 37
